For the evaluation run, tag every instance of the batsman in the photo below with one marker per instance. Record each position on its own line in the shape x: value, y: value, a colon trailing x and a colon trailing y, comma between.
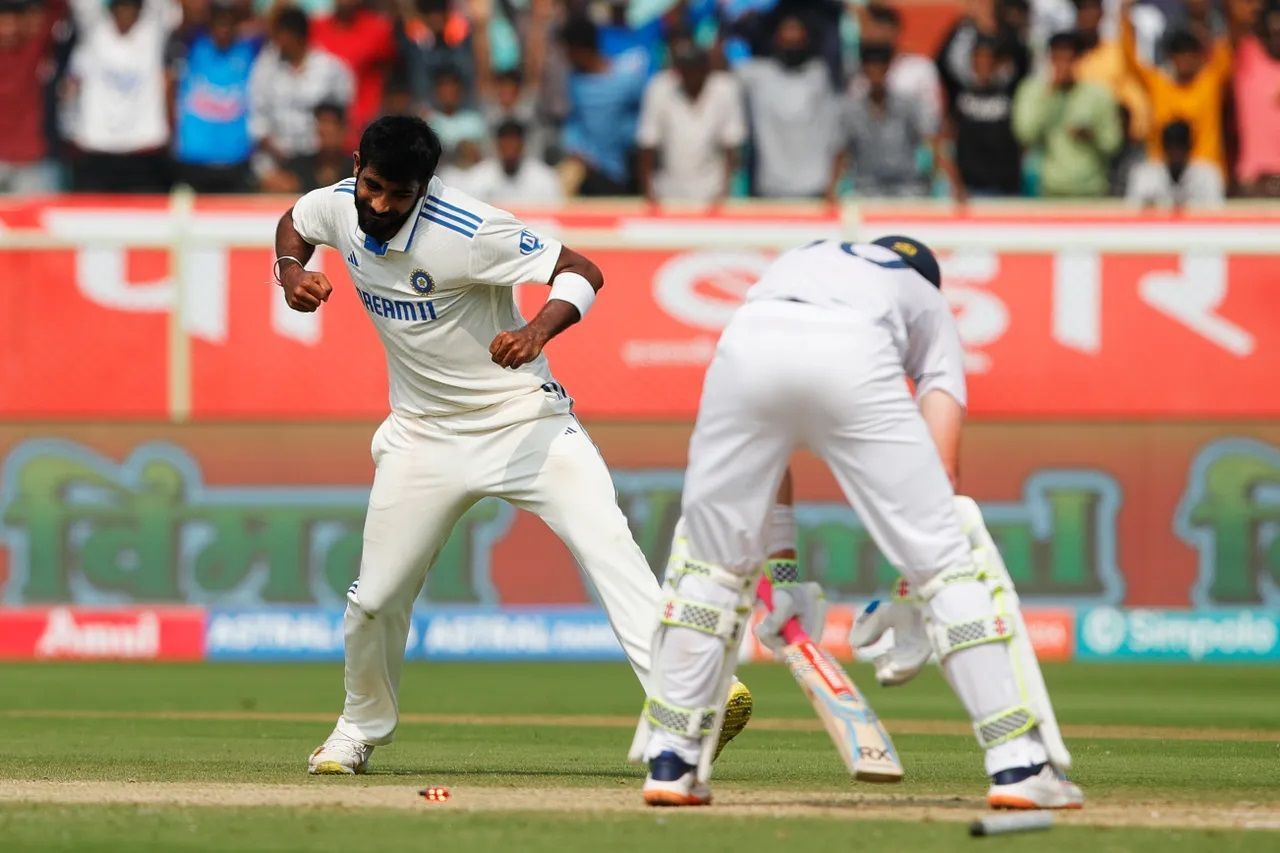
x: 819, y: 357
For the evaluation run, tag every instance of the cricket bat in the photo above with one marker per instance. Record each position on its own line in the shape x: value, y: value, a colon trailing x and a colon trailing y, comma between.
x: 855, y: 729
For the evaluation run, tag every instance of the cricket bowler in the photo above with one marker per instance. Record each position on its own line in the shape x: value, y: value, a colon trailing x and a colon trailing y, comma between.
x: 819, y: 357
x: 475, y: 411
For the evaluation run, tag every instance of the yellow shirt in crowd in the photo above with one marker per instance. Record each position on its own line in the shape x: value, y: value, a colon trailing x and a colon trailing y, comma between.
x: 1106, y: 66
x: 1198, y: 103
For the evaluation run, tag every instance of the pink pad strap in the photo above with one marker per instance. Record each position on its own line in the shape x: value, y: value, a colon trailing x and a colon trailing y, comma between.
x: 792, y: 632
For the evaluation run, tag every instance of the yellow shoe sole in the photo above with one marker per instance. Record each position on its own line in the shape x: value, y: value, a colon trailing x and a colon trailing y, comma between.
x: 333, y: 768
x: 737, y: 713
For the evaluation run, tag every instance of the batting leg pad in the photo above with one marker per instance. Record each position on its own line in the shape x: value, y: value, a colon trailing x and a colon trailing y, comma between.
x: 703, y: 613
x: 1031, y: 686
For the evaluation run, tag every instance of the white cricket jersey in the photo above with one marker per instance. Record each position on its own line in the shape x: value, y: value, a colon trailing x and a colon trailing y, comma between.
x: 877, y: 289
x: 438, y: 292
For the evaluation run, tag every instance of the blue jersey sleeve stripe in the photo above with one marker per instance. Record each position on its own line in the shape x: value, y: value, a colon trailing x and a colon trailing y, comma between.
x: 465, y: 214
x: 444, y: 214
x: 350, y: 190
x: 447, y: 224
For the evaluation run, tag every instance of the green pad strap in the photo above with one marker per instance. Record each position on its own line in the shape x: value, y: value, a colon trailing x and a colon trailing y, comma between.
x: 700, y: 616
x: 783, y: 571
x: 690, y: 722
x: 1004, y: 726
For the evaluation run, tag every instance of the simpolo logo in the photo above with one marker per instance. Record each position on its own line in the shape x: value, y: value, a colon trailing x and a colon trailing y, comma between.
x: 1194, y: 636
x: 1105, y: 629
x: 1181, y: 635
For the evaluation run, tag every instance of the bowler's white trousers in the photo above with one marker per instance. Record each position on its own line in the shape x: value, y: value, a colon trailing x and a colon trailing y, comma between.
x: 785, y: 375
x: 427, y: 477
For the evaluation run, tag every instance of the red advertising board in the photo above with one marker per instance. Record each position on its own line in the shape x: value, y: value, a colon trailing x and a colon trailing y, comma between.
x: 79, y: 633
x: 1064, y: 315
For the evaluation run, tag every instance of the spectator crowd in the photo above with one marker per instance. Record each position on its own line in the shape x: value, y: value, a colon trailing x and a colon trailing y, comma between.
x: 1166, y: 103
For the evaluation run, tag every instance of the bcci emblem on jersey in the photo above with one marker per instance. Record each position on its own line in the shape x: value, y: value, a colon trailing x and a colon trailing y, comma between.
x: 529, y: 242
x: 422, y: 282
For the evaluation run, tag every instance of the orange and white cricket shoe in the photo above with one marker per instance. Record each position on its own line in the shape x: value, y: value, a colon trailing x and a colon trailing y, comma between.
x: 1037, y: 787
x: 339, y: 755
x: 674, y: 782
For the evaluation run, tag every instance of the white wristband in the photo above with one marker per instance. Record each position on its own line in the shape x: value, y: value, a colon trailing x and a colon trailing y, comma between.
x: 575, y: 289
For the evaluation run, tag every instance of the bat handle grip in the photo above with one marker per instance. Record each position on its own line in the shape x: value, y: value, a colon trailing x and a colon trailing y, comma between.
x: 792, y: 632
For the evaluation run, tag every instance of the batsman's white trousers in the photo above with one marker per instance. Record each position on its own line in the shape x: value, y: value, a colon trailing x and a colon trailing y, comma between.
x: 788, y: 374
x: 426, y: 478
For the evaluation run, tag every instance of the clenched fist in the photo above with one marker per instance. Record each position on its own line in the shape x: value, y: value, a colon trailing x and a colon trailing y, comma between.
x: 512, y: 349
x: 304, y: 290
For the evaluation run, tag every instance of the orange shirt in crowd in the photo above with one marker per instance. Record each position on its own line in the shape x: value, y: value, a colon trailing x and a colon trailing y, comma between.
x: 1257, y: 92
x: 1198, y: 103
x: 1106, y: 66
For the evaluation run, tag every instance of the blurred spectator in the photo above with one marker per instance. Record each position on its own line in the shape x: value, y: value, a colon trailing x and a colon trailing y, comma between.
x: 884, y: 133
x: 1192, y: 92
x: 364, y: 41
x: 436, y: 37
x: 1257, y: 98
x: 996, y: 19
x: 119, y: 86
x: 212, y: 143
x: 691, y: 126
x: 794, y: 117
x: 910, y: 74
x: 1044, y: 19
x: 511, y: 101
x: 460, y: 171
x: 988, y: 155
x: 1177, y: 180
x: 756, y: 23
x: 333, y: 153
x: 289, y: 80
x: 512, y: 177
x: 26, y: 33
x: 604, y: 105
x: 397, y: 97
x: 1103, y: 62
x: 638, y: 44
x: 452, y: 121
x: 1075, y: 125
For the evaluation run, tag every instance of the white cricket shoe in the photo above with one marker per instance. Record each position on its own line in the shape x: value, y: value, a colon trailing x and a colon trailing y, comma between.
x: 339, y: 755
x: 674, y: 782
x: 1039, y: 787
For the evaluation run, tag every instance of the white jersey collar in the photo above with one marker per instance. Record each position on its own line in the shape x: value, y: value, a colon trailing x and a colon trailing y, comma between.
x: 403, y: 239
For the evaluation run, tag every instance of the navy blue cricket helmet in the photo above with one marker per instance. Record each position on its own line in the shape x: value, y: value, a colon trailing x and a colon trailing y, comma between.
x: 917, y: 255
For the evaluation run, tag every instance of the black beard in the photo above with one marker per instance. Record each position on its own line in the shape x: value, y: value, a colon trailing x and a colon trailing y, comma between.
x: 376, y: 227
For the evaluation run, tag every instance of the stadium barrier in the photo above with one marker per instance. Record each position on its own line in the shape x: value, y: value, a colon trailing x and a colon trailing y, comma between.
x: 1125, y: 445
x: 572, y: 634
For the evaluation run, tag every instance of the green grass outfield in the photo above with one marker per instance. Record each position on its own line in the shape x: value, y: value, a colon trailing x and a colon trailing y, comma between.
x: 212, y: 756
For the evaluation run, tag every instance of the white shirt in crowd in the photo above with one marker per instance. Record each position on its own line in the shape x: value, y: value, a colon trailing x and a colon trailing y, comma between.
x: 795, y: 119
x: 1151, y: 185
x: 121, y: 102
x: 691, y: 136
x: 283, y: 99
x: 438, y: 293
x: 534, y: 182
x: 876, y: 289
